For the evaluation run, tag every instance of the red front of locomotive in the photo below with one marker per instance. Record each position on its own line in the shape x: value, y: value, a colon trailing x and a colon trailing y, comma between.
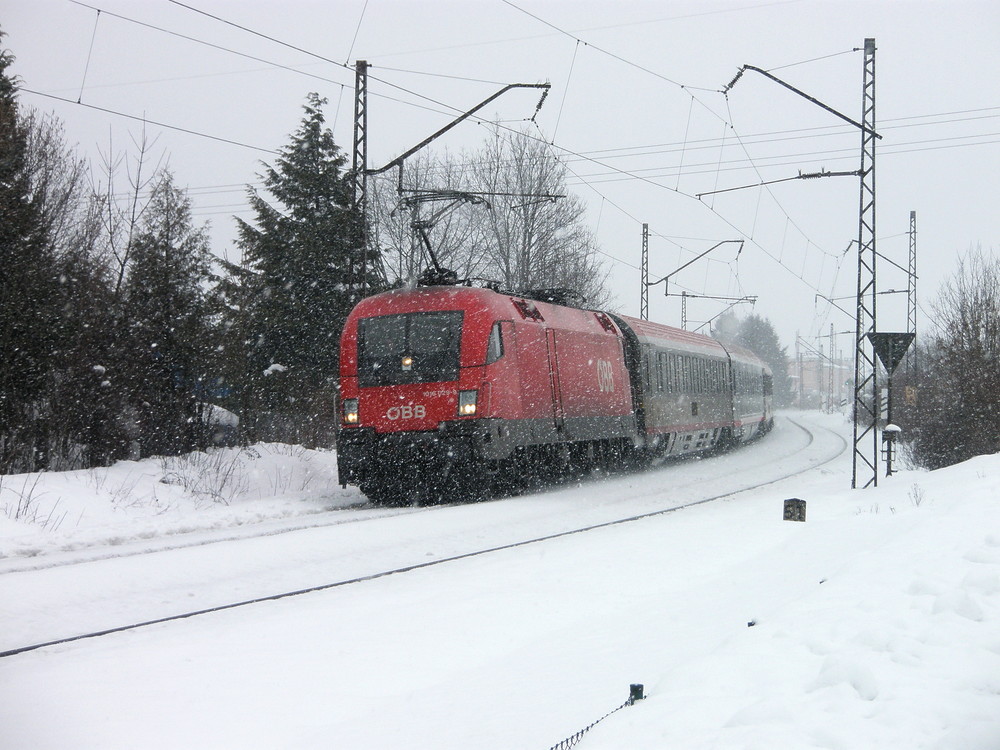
x: 411, y: 360
x: 442, y: 385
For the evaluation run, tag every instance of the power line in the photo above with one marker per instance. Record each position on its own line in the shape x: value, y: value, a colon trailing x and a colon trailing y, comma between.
x: 90, y: 54
x: 579, y: 156
x: 774, y: 198
x: 593, y: 46
x: 629, y: 174
x: 712, y: 143
x: 147, y: 121
x: 767, y: 187
x: 311, y: 54
x: 257, y: 59
x: 328, y: 60
x: 815, y: 59
x: 613, y: 175
x: 635, y: 219
x: 743, y: 234
x: 691, y: 15
x: 507, y: 40
x: 205, y: 43
x: 277, y: 41
x: 615, y: 205
x: 260, y: 34
x: 750, y: 239
x: 299, y: 49
x: 442, y: 75
x: 763, y: 138
x: 357, y: 30
x: 569, y: 77
x: 271, y: 63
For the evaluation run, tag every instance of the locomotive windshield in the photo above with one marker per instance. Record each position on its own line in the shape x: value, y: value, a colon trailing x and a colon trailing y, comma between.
x: 409, y: 348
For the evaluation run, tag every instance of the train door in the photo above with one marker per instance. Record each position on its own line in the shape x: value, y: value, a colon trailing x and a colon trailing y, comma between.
x: 733, y: 394
x: 634, y: 362
x: 554, y: 384
x: 502, y: 348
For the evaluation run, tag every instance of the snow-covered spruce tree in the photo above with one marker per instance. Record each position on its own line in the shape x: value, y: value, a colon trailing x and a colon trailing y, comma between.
x: 167, y: 363
x: 303, y: 260
x: 28, y: 286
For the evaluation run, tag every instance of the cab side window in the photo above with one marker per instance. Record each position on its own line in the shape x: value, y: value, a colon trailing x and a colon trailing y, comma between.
x: 494, y: 348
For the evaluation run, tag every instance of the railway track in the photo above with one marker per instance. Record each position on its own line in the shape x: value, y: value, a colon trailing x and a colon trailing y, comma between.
x: 350, y: 514
x: 348, y: 581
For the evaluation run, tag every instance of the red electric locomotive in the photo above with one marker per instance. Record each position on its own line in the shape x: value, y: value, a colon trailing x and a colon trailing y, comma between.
x: 451, y: 391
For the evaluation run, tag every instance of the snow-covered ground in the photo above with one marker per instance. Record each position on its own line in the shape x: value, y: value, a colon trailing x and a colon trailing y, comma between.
x: 165, y: 497
x: 876, y: 623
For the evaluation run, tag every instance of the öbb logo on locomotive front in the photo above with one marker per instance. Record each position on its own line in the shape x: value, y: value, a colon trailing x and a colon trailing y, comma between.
x: 410, y: 411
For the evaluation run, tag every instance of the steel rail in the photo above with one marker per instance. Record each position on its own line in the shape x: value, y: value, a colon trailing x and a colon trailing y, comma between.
x: 422, y: 565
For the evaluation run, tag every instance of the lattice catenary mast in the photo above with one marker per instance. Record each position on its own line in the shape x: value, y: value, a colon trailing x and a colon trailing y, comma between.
x: 866, y: 397
x: 359, y: 193
x: 911, y: 295
x: 644, y: 293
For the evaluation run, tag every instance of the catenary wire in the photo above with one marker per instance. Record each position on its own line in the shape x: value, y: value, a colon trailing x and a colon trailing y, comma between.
x: 280, y: 66
x: 512, y: 5
x: 90, y: 54
x: 147, y: 120
x: 454, y: 109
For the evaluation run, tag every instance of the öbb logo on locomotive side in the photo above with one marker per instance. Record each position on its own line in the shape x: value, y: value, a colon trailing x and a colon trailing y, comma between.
x: 605, y: 376
x: 410, y: 411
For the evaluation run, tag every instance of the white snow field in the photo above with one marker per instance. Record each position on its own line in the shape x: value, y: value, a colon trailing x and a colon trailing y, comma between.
x: 874, y: 624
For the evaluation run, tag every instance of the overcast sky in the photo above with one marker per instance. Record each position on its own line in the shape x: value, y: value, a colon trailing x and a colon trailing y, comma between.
x: 635, y: 110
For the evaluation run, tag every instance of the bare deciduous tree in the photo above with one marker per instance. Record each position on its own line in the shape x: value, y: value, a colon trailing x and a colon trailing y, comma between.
x: 83, y: 334
x: 123, y: 192
x: 59, y: 184
x: 521, y: 227
x: 432, y: 184
x: 534, y: 240
x: 958, y: 402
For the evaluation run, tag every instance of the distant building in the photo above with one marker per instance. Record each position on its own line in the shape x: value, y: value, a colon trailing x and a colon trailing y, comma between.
x: 818, y: 383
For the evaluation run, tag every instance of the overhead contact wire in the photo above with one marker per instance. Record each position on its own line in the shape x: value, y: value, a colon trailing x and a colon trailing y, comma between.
x: 569, y: 76
x: 90, y: 54
x: 152, y: 122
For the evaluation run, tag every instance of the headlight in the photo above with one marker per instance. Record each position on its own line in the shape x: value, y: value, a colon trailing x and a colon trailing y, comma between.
x: 467, y: 403
x: 350, y: 411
